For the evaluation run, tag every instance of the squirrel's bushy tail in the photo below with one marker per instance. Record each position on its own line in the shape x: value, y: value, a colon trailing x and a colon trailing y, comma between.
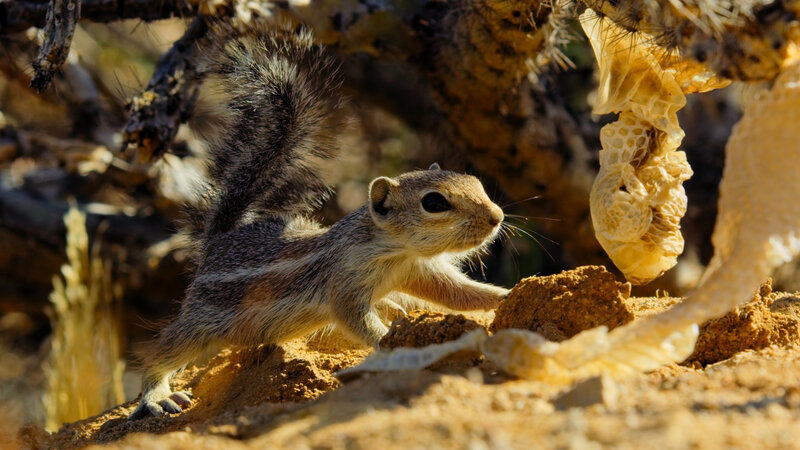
x: 278, y: 110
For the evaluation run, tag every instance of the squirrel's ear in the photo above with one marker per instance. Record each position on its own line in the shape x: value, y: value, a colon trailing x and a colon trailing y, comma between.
x: 434, y: 166
x: 379, y: 202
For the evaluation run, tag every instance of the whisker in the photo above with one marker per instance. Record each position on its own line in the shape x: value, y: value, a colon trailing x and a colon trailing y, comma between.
x: 518, y: 216
x: 537, y: 241
x: 504, y: 232
x: 510, y: 230
x: 520, y: 201
x: 505, y: 236
x: 528, y: 230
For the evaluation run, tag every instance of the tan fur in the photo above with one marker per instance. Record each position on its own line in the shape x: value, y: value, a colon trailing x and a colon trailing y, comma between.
x: 279, y: 275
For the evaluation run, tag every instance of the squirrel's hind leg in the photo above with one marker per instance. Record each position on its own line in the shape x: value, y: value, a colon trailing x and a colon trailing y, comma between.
x: 177, y: 345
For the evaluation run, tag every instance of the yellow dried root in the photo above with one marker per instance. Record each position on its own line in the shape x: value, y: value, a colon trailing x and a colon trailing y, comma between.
x: 745, y: 40
x: 637, y: 199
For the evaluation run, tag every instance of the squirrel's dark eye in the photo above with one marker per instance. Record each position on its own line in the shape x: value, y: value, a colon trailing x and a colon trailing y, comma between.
x: 434, y: 202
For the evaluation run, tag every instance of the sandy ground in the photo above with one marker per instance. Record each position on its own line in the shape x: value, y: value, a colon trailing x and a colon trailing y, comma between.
x: 741, y: 387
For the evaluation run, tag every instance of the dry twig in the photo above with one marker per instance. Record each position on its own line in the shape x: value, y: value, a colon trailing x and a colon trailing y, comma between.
x: 62, y: 17
x: 169, y: 98
x: 18, y: 15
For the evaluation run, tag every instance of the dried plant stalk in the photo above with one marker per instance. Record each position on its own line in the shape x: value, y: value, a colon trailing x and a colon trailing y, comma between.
x: 84, y: 370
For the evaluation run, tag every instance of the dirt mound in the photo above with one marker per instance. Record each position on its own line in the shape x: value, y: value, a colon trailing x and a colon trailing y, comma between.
x: 287, y: 395
x: 227, y: 387
x: 421, y: 328
x: 677, y: 407
x: 561, y: 306
x: 768, y: 319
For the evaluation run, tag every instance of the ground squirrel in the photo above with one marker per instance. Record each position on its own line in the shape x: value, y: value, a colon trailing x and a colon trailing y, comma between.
x: 266, y: 272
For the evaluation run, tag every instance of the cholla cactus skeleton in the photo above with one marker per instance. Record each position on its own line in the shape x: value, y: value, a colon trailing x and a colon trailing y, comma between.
x: 758, y: 228
x: 637, y: 200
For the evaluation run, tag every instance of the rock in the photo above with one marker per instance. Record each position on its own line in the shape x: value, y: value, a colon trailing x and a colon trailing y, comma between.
x: 593, y: 391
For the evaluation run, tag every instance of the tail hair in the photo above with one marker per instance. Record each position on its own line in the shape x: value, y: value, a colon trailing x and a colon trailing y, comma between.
x: 278, y: 114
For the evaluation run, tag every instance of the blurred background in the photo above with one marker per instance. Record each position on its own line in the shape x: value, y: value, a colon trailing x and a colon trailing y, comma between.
x: 120, y: 256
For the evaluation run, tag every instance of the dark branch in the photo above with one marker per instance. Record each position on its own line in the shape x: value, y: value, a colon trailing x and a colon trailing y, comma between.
x: 33, y: 238
x: 169, y: 98
x: 62, y: 17
x: 18, y: 15
x: 23, y: 214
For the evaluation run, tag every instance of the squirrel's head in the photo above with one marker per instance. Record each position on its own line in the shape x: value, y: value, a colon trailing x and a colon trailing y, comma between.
x: 435, y: 211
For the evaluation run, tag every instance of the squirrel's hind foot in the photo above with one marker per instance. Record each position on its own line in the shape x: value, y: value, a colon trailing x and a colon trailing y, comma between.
x: 173, y: 403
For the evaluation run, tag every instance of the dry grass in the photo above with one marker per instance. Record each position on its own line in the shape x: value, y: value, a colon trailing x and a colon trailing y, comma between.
x: 84, y: 368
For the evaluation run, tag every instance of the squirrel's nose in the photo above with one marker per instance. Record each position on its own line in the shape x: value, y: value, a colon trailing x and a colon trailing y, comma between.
x: 495, y: 215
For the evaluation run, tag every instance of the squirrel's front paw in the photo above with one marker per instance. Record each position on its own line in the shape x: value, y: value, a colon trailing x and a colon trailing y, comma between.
x: 504, y: 296
x: 498, y: 295
x: 173, y: 403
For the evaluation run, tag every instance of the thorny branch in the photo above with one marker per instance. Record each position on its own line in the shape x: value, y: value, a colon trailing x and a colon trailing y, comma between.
x: 18, y: 15
x: 167, y: 102
x: 59, y: 18
x: 62, y: 17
